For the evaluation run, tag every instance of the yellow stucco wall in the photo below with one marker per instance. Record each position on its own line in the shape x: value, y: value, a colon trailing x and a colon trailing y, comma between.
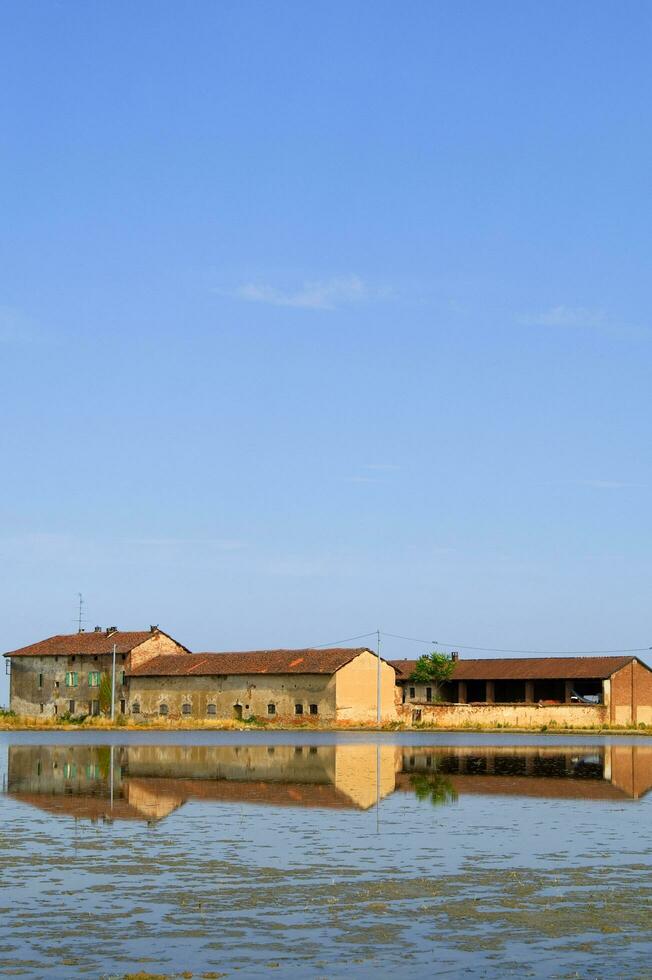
x: 356, y: 689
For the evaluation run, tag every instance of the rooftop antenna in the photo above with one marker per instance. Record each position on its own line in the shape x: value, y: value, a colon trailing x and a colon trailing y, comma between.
x: 80, y: 615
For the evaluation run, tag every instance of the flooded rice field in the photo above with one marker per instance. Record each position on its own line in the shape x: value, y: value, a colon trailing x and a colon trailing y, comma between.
x: 256, y: 854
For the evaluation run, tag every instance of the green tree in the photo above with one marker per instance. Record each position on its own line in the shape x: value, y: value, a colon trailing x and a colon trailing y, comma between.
x: 104, y: 693
x: 436, y: 788
x: 433, y: 667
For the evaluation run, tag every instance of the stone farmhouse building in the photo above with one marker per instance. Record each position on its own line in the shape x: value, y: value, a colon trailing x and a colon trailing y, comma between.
x: 64, y: 673
x: 157, y: 677
x: 339, y: 684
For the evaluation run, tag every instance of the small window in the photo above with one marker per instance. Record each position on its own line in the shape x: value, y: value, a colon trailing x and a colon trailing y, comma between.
x: 412, y: 692
x: 123, y: 706
x: 41, y: 706
x: 312, y: 750
x: 56, y: 684
x: 95, y: 659
x: 123, y: 677
x: 71, y: 707
x: 55, y: 710
x: 313, y: 709
x: 162, y: 709
x: 72, y: 678
x: 95, y: 707
x: 40, y: 680
x: 211, y: 709
x: 94, y: 678
x: 124, y: 657
x: 298, y: 709
x: 271, y: 709
x: 72, y: 660
x: 186, y: 708
x: 428, y: 694
x: 135, y: 708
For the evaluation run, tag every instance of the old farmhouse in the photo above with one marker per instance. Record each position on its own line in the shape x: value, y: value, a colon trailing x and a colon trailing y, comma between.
x: 65, y: 673
x: 335, y: 685
x: 158, y: 677
x: 617, y: 688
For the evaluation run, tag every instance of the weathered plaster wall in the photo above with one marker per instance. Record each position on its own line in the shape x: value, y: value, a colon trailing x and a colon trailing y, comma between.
x: 157, y: 645
x: 420, y: 691
x: 252, y: 692
x: 26, y: 697
x: 526, y: 715
x: 357, y: 686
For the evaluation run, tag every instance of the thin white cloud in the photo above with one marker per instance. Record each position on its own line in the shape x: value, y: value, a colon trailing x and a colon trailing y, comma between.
x: 319, y: 295
x: 567, y: 316
x: 584, y: 318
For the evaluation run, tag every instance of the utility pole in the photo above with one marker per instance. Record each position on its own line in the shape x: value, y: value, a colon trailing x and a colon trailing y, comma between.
x: 113, y: 687
x: 378, y: 684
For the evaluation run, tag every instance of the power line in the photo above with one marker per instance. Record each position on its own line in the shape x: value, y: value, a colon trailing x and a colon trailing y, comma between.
x: 539, y: 653
x: 361, y: 636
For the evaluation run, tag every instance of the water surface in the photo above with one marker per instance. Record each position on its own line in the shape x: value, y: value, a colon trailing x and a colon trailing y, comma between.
x: 324, y: 856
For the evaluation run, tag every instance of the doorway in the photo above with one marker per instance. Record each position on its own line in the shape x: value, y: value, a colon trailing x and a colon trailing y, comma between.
x: 237, y: 712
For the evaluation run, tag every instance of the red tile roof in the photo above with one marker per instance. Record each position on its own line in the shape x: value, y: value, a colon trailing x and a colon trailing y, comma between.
x: 252, y: 662
x: 526, y: 668
x: 85, y: 644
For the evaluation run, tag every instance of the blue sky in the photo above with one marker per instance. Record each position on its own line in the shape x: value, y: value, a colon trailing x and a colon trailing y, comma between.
x: 321, y: 317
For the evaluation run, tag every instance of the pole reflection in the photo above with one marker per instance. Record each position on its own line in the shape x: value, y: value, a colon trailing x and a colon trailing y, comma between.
x: 149, y: 782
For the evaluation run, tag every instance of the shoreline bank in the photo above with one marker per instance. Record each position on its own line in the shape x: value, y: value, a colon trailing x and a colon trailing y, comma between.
x: 23, y: 725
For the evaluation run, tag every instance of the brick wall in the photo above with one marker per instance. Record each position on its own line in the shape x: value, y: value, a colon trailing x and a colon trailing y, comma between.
x: 643, y: 693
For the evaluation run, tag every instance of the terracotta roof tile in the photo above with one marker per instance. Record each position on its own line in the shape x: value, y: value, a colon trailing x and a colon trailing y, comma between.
x: 251, y: 662
x: 85, y: 643
x: 526, y: 668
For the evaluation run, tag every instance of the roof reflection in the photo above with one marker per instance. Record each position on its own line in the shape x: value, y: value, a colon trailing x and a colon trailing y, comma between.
x: 149, y: 782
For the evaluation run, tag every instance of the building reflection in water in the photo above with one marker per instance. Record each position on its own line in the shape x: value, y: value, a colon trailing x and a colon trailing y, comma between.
x: 148, y: 782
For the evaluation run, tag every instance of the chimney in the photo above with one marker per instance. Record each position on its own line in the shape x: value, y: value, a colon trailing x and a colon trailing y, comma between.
x: 98, y: 629
x: 455, y: 656
x: 111, y: 629
x: 153, y: 629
